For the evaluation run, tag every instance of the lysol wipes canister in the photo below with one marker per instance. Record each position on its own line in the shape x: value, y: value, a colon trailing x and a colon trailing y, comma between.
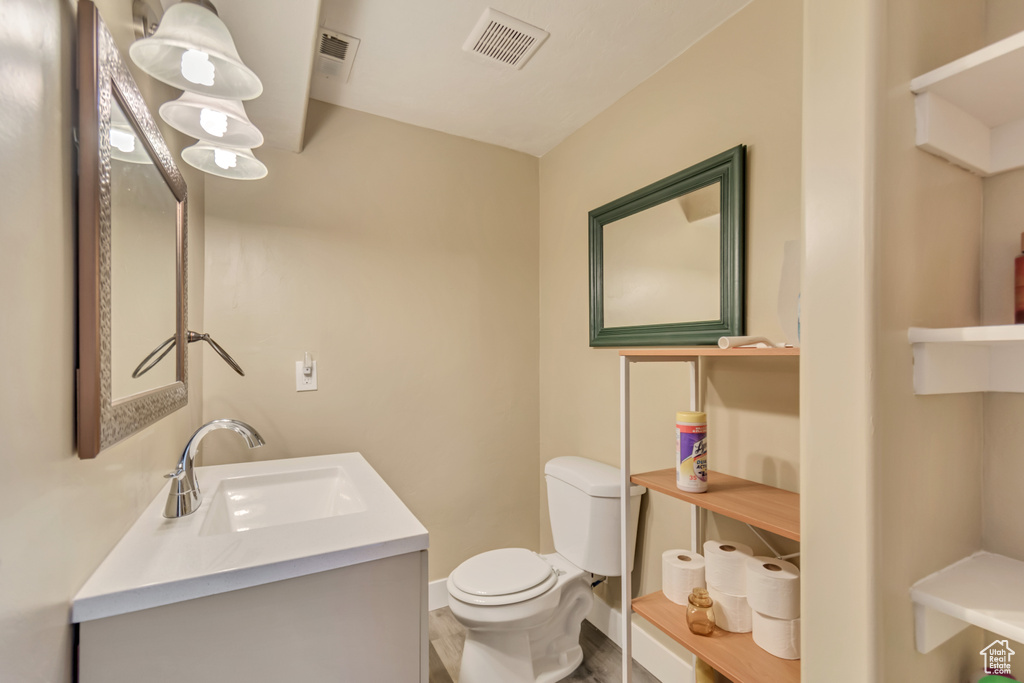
x: 692, y: 452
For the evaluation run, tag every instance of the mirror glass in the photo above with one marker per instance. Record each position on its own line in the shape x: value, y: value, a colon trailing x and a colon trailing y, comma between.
x: 661, y: 265
x: 666, y: 261
x: 143, y: 260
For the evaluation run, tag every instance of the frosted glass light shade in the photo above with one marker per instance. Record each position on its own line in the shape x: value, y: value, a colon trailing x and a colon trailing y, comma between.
x: 203, y: 117
x: 193, y: 50
x: 236, y: 163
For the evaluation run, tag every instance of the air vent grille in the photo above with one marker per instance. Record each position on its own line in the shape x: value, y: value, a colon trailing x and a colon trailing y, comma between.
x: 500, y: 38
x: 503, y: 43
x: 331, y: 46
x: 335, y: 57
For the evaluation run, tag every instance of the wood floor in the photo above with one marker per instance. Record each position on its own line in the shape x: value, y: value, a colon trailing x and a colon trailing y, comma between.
x: 602, y: 659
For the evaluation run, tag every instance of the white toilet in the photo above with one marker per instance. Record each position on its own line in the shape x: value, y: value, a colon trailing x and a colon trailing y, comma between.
x: 523, y: 611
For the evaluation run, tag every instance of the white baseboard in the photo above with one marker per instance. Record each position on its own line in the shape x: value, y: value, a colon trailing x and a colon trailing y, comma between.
x: 664, y: 664
x: 437, y: 594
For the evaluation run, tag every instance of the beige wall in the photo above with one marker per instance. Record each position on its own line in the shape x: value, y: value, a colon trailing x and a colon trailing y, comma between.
x: 405, y: 261
x: 741, y: 84
x: 59, y: 516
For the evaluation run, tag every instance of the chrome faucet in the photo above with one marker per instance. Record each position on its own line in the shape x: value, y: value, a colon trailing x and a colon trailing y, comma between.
x: 184, y: 497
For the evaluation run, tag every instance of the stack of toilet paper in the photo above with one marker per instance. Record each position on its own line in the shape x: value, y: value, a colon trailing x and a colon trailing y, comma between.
x: 773, y: 594
x: 725, y: 570
x: 681, y: 572
x: 759, y: 594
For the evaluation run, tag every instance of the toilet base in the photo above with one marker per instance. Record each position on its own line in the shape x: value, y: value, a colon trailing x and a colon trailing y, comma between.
x: 492, y: 656
x: 541, y: 646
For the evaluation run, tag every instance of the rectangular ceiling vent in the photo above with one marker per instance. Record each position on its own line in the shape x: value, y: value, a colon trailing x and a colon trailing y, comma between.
x: 502, y: 39
x: 335, y: 55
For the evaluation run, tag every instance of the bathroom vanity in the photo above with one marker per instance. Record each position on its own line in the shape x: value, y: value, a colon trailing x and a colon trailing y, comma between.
x: 304, y: 569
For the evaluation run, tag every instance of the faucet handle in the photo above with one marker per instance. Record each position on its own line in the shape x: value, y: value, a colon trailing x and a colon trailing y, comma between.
x: 178, y: 474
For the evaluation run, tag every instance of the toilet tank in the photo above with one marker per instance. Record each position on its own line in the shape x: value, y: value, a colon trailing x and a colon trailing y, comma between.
x: 583, y: 501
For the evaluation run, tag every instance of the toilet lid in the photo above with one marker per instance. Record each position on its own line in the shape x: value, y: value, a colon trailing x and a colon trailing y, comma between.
x: 501, y: 572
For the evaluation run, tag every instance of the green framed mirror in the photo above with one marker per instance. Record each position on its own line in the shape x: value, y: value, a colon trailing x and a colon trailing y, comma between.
x: 667, y: 261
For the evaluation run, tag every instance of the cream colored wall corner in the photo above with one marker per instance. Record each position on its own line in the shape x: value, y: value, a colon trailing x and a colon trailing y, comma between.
x: 927, y: 253
x: 405, y: 261
x: 1003, y: 469
x: 741, y: 84
x: 59, y: 516
x: 892, y: 239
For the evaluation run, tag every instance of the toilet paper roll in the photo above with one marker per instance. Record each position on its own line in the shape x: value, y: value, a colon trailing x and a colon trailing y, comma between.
x: 725, y: 566
x: 780, y: 637
x: 773, y: 587
x: 681, y: 572
x: 732, y: 612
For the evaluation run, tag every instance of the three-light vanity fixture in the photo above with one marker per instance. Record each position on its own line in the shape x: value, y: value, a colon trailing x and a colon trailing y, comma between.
x: 193, y: 51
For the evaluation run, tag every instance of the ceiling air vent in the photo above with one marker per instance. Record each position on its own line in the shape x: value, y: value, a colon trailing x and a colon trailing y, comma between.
x: 503, y: 39
x: 336, y: 54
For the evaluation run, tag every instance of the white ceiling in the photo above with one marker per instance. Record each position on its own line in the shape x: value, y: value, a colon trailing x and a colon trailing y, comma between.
x: 410, y: 65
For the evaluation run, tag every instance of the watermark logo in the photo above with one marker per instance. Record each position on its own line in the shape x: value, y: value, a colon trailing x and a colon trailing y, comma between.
x: 997, y: 657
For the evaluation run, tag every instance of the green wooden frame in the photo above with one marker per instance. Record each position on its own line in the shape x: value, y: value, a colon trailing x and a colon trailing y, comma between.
x: 727, y: 168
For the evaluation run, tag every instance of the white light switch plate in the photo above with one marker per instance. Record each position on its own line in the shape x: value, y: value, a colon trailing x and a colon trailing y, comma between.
x: 304, y: 382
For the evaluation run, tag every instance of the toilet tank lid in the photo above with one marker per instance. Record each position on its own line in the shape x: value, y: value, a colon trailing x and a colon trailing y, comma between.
x: 589, y: 476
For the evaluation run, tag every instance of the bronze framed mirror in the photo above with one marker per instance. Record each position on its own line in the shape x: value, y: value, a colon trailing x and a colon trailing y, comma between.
x: 132, y: 250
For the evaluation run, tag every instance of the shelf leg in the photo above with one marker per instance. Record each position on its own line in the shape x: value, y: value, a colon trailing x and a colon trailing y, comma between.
x: 627, y: 582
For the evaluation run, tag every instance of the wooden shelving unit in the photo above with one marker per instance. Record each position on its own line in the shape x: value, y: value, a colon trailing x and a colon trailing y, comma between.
x: 735, y: 655
x: 765, y: 507
x: 971, y: 111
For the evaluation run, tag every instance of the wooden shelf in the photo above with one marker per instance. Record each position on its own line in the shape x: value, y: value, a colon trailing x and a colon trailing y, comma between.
x: 985, y: 590
x: 765, y: 507
x: 684, y: 352
x: 965, y: 359
x: 733, y: 654
x: 971, y: 111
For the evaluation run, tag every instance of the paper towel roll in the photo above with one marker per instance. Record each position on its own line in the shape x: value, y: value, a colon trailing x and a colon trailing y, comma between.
x: 773, y: 587
x: 780, y: 637
x: 732, y: 612
x: 725, y: 566
x: 681, y: 572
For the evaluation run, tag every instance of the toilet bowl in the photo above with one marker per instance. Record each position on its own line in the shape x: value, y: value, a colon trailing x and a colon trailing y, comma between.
x: 523, y: 611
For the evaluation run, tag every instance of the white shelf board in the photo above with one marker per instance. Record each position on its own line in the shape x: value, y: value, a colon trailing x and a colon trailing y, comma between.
x: 971, y: 111
x: 957, y: 360
x: 985, y: 589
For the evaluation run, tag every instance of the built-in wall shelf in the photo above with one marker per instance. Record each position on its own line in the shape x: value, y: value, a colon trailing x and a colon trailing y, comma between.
x: 685, y: 352
x: 985, y: 590
x: 964, y: 359
x: 971, y: 111
x: 765, y: 507
x: 735, y: 655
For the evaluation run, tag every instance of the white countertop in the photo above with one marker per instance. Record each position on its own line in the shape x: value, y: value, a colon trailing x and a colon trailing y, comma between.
x: 162, y: 561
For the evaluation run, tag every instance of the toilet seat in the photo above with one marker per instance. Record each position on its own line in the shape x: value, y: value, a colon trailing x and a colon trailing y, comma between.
x: 502, y: 577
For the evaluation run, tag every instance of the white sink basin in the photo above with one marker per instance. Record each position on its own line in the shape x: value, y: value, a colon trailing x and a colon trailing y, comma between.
x: 299, y: 516
x: 262, y: 500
